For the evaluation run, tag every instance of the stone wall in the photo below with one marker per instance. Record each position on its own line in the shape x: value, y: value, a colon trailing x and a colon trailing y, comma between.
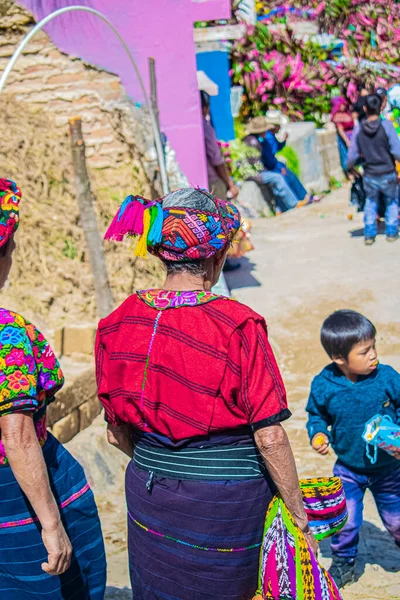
x: 328, y: 148
x: 117, y: 133
x: 76, y: 405
x: 303, y: 139
x: 75, y: 408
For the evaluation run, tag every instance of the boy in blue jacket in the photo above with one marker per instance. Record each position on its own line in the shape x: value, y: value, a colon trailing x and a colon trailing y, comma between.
x: 344, y: 396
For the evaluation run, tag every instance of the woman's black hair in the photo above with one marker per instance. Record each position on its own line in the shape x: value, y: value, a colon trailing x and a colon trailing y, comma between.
x: 342, y: 330
x: 205, y: 99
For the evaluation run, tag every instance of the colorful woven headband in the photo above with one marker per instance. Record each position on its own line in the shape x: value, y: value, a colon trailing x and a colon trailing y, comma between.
x: 10, y: 196
x: 174, y: 233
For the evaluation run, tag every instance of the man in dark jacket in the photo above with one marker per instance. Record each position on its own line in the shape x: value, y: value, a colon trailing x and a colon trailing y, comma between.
x: 377, y: 144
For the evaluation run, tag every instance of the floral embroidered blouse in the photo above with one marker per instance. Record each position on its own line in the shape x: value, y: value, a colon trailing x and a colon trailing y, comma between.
x: 30, y: 374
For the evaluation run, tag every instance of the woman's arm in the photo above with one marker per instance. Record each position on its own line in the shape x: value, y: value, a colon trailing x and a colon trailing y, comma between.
x: 275, y: 449
x: 120, y: 436
x: 342, y: 134
x: 27, y: 463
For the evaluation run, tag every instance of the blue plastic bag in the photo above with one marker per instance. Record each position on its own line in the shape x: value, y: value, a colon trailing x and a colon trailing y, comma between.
x: 381, y: 432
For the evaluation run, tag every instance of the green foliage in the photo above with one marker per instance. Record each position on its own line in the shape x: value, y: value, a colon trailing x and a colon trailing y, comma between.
x: 240, y: 154
x: 70, y: 251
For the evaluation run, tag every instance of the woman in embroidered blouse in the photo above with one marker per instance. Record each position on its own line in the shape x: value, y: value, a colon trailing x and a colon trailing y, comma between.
x: 192, y: 393
x: 51, y: 544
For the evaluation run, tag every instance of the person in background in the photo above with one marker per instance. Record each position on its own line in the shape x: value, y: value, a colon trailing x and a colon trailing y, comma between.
x: 266, y: 129
x: 357, y: 110
x: 219, y: 181
x: 383, y: 95
x: 342, y: 119
x: 284, y: 198
x: 344, y: 396
x: 51, y: 542
x: 377, y: 143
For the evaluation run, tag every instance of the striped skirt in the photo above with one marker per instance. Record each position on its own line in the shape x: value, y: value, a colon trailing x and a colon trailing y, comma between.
x: 21, y: 548
x: 194, y: 540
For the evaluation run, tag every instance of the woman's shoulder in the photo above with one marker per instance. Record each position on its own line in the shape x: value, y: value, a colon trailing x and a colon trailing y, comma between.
x: 234, y: 312
x: 11, y: 321
x: 225, y: 311
x: 131, y: 306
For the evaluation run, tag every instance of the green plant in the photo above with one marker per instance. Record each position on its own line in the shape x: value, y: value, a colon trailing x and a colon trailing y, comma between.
x: 69, y: 251
x: 243, y: 163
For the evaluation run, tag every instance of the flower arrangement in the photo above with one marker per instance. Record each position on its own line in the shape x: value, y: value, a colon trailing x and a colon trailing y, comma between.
x: 278, y: 69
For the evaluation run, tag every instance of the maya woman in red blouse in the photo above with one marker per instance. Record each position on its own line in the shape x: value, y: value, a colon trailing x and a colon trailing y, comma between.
x: 193, y: 394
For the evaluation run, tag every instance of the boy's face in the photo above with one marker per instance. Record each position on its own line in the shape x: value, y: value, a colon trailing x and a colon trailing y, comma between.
x: 362, y: 359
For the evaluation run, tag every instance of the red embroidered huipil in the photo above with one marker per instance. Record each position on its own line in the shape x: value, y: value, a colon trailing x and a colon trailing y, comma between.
x: 187, y: 364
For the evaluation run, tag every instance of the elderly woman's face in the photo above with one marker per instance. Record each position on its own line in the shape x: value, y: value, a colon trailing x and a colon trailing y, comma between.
x: 6, y: 261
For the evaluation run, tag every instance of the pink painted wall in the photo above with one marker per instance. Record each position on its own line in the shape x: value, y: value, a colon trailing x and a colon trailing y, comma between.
x: 159, y: 28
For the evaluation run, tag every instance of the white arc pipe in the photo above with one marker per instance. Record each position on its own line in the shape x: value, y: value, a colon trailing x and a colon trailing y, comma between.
x: 56, y: 13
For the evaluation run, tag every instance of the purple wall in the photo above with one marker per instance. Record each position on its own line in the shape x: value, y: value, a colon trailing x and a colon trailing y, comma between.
x: 159, y: 28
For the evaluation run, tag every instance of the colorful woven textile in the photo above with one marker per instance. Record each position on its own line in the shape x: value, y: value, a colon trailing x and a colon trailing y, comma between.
x: 175, y: 233
x: 21, y: 547
x: 192, y: 540
x: 288, y: 567
x: 325, y: 504
x: 10, y: 196
x: 163, y: 299
x: 30, y: 374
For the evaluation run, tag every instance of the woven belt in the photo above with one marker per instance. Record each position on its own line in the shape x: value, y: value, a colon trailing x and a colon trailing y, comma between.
x: 212, y: 464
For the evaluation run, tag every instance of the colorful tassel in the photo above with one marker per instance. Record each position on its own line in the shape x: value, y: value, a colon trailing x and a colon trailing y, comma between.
x: 128, y: 220
x: 141, y: 246
x: 155, y: 233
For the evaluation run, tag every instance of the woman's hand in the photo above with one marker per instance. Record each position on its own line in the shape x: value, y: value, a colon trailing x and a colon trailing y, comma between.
x: 233, y: 190
x: 320, y: 443
x: 58, y: 548
x: 312, y: 541
x: 120, y: 436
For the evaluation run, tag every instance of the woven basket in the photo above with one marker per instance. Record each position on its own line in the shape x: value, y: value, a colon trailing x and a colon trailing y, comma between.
x: 325, y: 504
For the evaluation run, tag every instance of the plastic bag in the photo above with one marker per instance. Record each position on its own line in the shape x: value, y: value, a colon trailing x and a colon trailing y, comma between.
x: 357, y: 193
x: 381, y: 432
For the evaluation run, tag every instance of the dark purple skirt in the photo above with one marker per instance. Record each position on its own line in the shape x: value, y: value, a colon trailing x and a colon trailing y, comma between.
x: 194, y: 540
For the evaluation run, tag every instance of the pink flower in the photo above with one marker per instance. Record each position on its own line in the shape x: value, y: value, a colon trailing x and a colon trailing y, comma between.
x: 48, y: 359
x: 16, y: 357
x: 278, y: 100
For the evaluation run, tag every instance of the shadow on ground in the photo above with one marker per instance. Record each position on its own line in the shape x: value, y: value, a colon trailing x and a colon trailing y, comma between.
x: 113, y: 593
x: 355, y: 233
x: 376, y: 547
x: 243, y: 277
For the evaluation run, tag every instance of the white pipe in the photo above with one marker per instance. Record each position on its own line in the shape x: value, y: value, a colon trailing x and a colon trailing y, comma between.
x: 56, y: 13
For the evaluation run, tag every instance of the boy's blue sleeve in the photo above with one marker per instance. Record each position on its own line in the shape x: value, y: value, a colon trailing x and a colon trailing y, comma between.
x: 318, y: 418
x: 395, y: 391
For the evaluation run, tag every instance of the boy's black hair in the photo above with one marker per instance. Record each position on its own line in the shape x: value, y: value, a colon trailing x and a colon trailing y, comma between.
x: 342, y: 330
x: 373, y: 104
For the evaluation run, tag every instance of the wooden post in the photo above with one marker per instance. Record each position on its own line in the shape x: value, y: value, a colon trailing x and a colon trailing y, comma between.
x: 84, y: 196
x: 156, y: 112
x: 153, y: 90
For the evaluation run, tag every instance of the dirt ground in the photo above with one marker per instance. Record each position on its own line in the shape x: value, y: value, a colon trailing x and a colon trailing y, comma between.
x: 306, y: 264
